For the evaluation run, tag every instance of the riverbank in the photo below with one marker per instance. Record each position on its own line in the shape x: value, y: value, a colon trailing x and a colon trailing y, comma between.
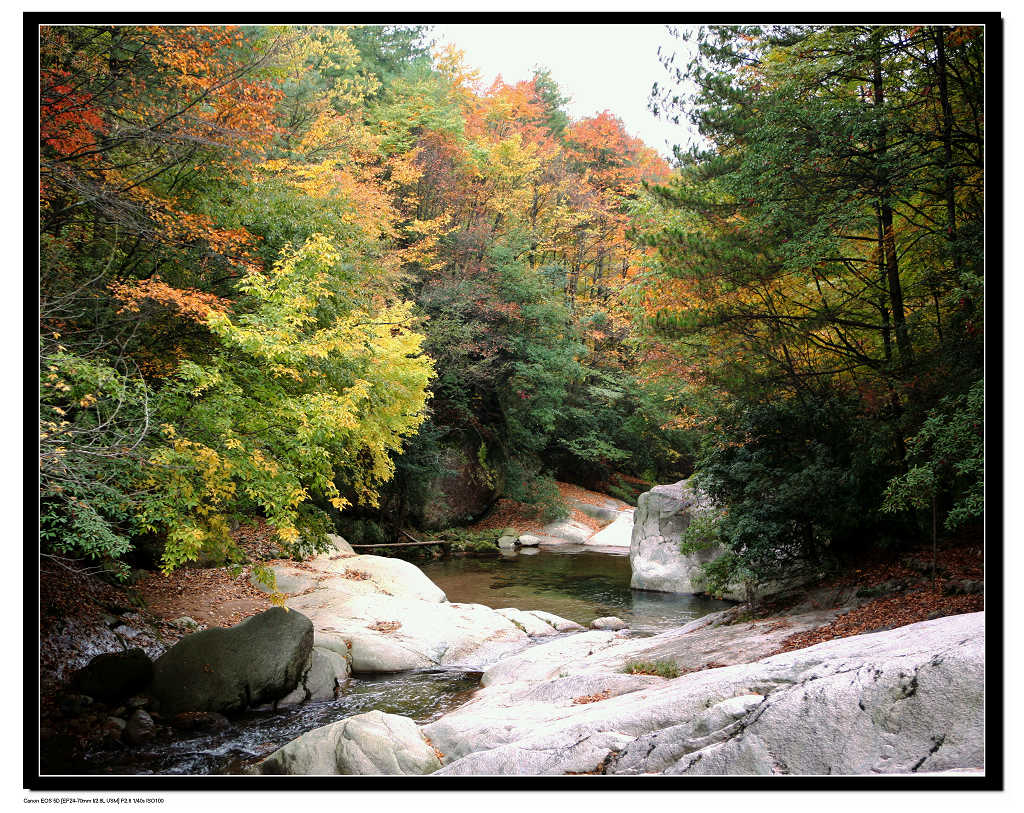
x: 99, y: 617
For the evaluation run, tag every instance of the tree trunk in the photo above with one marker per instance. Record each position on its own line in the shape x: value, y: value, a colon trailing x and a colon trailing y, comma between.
x: 885, y: 212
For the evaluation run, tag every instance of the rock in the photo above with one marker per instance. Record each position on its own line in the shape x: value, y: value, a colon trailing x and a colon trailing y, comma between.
x: 381, y: 574
x: 114, y: 675
x: 617, y: 535
x: 339, y: 545
x: 901, y: 701
x: 556, y: 621
x: 565, y: 530
x: 607, y: 510
x: 429, y: 633
x: 662, y: 515
x: 289, y: 580
x: 326, y: 671
x: 200, y: 721
x: 114, y: 725
x: 186, y: 623
x: 140, y: 727
x: 529, y: 540
x: 72, y: 705
x: 962, y: 587
x: 371, y: 743
x: 548, y: 660
x: 459, y: 495
x: 139, y: 701
x: 532, y: 625
x: 228, y: 670
x: 506, y: 542
x: 608, y: 622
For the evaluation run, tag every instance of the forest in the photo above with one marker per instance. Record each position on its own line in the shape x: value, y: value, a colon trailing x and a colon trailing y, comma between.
x: 326, y: 278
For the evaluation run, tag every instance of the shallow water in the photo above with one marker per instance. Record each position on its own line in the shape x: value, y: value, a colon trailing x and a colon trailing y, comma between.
x: 423, y: 695
x: 572, y: 582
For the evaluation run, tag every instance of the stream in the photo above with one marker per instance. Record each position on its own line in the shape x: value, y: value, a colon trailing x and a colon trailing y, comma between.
x: 572, y: 582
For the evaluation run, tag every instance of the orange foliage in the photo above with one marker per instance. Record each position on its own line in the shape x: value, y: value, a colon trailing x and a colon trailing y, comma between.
x: 187, y: 302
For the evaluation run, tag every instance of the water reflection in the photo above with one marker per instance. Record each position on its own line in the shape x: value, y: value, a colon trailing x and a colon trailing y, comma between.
x: 570, y: 581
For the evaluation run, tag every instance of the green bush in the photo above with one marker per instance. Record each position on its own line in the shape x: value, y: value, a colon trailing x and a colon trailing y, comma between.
x: 801, y: 482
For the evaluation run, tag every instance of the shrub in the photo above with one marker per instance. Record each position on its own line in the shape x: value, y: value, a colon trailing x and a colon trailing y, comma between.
x: 664, y: 668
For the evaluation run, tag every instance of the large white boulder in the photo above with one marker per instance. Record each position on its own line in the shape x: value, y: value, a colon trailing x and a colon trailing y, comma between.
x: 370, y: 743
x: 662, y: 515
x: 395, y: 577
x: 392, y: 634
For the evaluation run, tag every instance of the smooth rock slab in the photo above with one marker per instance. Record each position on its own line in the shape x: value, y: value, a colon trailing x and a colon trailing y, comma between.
x: 394, y: 577
x: 373, y: 743
x: 429, y: 633
x: 556, y: 621
x: 617, y: 535
x: 531, y: 624
x: 565, y: 530
x: 901, y: 701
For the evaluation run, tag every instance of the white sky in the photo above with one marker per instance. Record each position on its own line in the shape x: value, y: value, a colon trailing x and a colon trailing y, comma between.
x: 599, y: 66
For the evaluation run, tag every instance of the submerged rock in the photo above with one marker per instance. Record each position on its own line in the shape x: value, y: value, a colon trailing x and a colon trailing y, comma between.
x: 371, y: 743
x: 227, y: 670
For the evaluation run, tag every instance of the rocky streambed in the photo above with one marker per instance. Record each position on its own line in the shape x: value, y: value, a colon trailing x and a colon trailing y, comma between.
x: 372, y: 670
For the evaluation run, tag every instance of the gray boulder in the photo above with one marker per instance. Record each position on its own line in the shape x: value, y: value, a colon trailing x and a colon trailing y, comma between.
x: 371, y: 743
x: 227, y: 670
x: 507, y: 542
